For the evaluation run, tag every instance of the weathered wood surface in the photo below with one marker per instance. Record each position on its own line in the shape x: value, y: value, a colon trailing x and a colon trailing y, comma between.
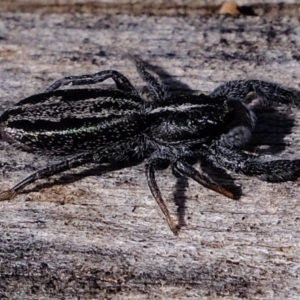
x: 102, y: 237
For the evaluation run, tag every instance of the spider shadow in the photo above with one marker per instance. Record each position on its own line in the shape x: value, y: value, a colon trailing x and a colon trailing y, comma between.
x: 216, y: 174
x: 172, y: 84
x: 271, y: 128
x: 179, y: 197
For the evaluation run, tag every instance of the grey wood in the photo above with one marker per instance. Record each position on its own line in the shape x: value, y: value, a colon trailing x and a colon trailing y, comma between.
x: 102, y: 236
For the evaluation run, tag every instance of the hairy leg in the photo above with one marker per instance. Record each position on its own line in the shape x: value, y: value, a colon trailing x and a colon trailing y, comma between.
x: 156, y: 89
x: 120, y: 80
x: 114, y: 154
x: 189, y: 171
x: 226, y: 154
x: 160, y: 161
x: 150, y: 175
x: 64, y: 165
x: 241, y: 162
x: 270, y: 94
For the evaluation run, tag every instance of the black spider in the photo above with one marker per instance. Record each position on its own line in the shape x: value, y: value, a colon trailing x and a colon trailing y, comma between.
x: 160, y: 127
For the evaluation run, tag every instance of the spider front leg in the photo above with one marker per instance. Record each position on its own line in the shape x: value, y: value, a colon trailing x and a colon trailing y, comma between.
x: 67, y: 164
x: 182, y: 168
x: 241, y: 162
x: 187, y: 170
x: 120, y: 80
x: 270, y: 94
x: 150, y: 175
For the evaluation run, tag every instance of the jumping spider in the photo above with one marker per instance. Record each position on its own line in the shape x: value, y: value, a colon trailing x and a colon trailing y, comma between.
x: 166, y: 129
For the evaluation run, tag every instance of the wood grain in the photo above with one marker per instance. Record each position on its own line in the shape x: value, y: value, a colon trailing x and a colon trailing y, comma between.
x: 101, y: 236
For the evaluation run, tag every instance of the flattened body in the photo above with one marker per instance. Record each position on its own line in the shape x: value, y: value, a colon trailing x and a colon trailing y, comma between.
x: 69, y: 121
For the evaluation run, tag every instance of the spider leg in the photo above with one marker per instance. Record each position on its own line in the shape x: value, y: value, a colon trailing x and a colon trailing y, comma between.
x: 120, y: 80
x: 114, y: 153
x: 154, y: 85
x: 161, y: 160
x: 241, y: 162
x: 270, y: 94
x: 150, y: 175
x: 226, y: 154
x: 187, y: 170
x: 64, y: 165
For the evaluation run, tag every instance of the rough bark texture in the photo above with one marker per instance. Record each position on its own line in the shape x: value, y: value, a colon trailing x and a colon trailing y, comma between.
x: 102, y: 236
